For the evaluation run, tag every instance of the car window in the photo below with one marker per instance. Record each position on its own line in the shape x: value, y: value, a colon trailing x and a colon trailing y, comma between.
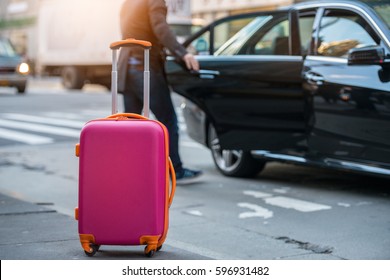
x: 275, y: 41
x: 201, y: 45
x: 236, y: 42
x: 382, y: 7
x: 265, y: 35
x: 384, y: 12
x: 306, y: 21
x: 226, y: 37
x: 341, y: 31
x: 6, y: 49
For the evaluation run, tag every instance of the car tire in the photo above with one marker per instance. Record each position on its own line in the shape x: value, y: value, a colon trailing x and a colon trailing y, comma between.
x: 233, y: 163
x: 72, y: 77
x: 21, y: 89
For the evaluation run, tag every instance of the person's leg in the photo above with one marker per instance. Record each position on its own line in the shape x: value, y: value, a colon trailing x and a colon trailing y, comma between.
x: 132, y: 96
x: 162, y: 107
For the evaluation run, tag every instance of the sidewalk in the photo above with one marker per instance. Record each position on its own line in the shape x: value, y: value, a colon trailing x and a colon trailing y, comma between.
x: 34, y: 232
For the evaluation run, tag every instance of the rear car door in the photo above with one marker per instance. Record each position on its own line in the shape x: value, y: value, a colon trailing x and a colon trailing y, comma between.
x: 250, y: 84
x: 351, y: 101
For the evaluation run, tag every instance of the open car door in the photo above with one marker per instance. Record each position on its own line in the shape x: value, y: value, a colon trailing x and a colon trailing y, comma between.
x: 250, y: 84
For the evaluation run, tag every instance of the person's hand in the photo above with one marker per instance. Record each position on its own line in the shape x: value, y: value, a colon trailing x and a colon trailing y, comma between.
x: 191, y: 62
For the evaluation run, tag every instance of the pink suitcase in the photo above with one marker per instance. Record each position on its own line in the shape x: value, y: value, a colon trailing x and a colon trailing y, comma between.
x: 126, y: 179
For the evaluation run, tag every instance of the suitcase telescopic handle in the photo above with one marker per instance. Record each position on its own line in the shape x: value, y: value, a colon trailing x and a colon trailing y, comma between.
x: 114, y: 74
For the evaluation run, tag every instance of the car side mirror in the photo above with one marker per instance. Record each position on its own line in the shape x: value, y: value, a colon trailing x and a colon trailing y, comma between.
x: 366, y: 56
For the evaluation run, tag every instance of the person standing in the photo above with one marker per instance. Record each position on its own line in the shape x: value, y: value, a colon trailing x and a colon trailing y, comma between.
x: 147, y: 20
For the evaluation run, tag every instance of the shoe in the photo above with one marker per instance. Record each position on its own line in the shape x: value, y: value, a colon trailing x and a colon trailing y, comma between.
x: 187, y: 176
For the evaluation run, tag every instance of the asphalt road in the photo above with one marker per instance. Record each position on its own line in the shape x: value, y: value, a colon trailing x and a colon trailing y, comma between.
x: 287, y: 212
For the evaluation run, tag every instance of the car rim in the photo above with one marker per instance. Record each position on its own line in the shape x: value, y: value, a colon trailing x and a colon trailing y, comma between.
x: 227, y: 160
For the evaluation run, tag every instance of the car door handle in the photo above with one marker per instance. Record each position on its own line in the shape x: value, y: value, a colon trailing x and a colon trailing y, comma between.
x: 314, y: 78
x: 206, y: 74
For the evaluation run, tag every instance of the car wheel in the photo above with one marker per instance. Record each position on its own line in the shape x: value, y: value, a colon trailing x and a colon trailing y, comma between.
x: 233, y: 163
x: 72, y: 77
x: 21, y: 89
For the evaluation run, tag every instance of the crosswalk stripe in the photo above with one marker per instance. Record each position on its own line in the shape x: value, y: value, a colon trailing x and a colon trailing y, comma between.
x: 84, y: 114
x: 24, y: 137
x: 43, y: 120
x: 55, y: 123
x: 40, y: 128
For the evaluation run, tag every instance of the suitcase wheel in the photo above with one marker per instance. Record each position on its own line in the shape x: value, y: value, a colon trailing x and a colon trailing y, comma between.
x: 150, y: 250
x: 93, y: 250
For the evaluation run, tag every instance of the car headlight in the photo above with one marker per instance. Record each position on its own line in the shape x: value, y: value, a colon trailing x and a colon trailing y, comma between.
x: 24, y: 68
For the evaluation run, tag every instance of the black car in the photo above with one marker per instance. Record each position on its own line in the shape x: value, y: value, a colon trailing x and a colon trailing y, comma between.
x: 13, y: 70
x: 308, y: 84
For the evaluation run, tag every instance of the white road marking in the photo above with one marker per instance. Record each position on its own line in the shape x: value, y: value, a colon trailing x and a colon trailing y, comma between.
x: 257, y: 194
x: 279, y: 201
x: 57, y: 123
x: 24, y: 137
x: 296, y: 204
x: 195, y: 213
x: 43, y: 120
x: 69, y: 116
x: 40, y: 128
x: 282, y: 190
x: 344, y: 204
x: 257, y: 211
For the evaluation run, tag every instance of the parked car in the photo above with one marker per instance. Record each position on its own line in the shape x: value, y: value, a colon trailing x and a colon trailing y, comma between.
x: 308, y: 84
x: 13, y: 70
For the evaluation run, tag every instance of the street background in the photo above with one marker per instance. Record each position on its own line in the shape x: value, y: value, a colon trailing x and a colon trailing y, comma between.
x: 286, y: 213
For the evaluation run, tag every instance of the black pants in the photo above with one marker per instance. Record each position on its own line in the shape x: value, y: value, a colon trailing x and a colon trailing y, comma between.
x: 160, y: 104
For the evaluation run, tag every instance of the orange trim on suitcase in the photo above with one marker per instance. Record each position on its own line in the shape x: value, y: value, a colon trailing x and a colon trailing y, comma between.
x: 76, y: 213
x: 77, y: 150
x: 130, y: 42
x: 86, y: 240
x: 151, y: 242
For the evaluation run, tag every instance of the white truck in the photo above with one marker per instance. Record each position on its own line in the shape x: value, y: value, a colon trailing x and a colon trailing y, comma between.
x: 74, y: 37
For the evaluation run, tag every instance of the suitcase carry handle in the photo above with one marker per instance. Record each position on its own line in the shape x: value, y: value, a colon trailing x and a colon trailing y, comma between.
x: 114, y: 74
x: 171, y: 168
x: 129, y: 43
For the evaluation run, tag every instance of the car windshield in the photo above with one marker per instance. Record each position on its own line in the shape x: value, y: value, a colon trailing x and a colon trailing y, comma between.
x: 6, y: 48
x: 382, y: 7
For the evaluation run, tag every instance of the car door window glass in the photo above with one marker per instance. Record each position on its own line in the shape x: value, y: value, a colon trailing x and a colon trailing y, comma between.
x: 341, y: 31
x: 305, y: 31
x: 236, y: 42
x: 383, y: 10
x: 201, y: 45
x: 224, y: 34
x: 275, y: 41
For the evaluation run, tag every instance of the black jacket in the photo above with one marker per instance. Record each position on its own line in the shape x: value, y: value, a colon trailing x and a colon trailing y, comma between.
x: 146, y: 20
